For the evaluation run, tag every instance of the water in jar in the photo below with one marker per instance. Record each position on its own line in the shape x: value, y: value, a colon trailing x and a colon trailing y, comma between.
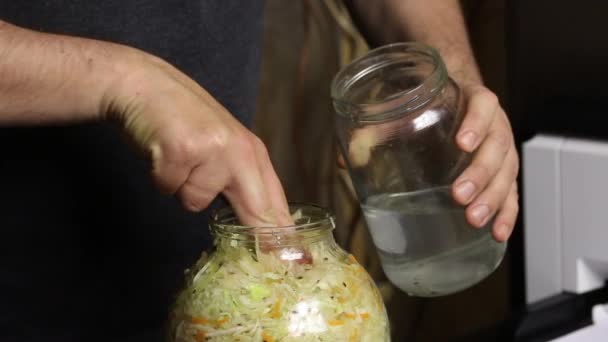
x: 425, y: 244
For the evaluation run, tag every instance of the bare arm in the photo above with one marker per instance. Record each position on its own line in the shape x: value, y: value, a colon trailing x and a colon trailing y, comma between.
x: 489, y: 185
x: 438, y: 23
x: 47, y: 78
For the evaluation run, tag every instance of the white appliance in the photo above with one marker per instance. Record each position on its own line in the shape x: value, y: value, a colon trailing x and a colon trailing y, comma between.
x: 566, y: 221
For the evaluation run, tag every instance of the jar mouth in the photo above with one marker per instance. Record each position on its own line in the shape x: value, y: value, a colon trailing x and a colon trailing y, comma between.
x: 388, y: 81
x: 312, y: 219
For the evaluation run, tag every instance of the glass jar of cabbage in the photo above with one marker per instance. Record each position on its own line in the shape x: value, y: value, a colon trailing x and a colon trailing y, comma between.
x: 278, y: 284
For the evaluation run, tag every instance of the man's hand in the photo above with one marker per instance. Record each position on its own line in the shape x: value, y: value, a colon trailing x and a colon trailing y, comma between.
x: 489, y: 185
x: 197, y: 148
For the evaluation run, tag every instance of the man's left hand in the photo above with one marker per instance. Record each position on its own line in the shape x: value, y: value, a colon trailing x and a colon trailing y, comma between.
x: 489, y: 185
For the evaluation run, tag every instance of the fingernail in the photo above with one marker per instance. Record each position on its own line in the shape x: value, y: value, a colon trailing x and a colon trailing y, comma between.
x: 480, y: 214
x: 465, y: 190
x: 468, y: 139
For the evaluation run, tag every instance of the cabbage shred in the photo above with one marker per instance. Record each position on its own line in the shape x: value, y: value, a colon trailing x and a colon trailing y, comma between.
x: 244, y: 295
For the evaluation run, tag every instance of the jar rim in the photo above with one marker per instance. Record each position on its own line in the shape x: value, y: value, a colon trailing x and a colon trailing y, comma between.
x: 223, y: 222
x: 397, y: 103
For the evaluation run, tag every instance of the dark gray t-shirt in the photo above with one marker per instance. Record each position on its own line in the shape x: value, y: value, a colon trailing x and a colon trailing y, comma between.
x: 89, y: 250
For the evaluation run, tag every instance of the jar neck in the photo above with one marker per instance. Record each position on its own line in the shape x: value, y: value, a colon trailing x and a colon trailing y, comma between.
x: 389, y: 82
x: 275, y: 242
x: 313, y: 225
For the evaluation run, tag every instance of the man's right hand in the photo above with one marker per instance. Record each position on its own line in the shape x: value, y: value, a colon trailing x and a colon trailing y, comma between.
x: 197, y: 148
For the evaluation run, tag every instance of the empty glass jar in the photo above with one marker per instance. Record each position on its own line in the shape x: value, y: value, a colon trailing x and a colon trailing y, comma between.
x: 397, y: 116
x: 278, y: 284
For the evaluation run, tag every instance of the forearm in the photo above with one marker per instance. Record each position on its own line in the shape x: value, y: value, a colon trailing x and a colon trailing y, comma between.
x: 46, y: 78
x: 438, y: 23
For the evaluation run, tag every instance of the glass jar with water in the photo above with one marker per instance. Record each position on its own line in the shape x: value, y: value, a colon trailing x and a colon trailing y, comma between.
x: 397, y: 116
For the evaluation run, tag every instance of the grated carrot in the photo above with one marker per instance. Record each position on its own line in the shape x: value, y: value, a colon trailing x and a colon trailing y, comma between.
x: 200, y: 336
x: 354, y: 337
x: 276, y: 308
x: 200, y: 320
x: 352, y: 258
x: 335, y: 322
x: 350, y: 315
x: 266, y: 337
x: 364, y: 315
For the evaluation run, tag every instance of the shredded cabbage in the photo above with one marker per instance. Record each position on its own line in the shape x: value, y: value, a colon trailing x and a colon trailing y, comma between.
x: 241, y: 295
